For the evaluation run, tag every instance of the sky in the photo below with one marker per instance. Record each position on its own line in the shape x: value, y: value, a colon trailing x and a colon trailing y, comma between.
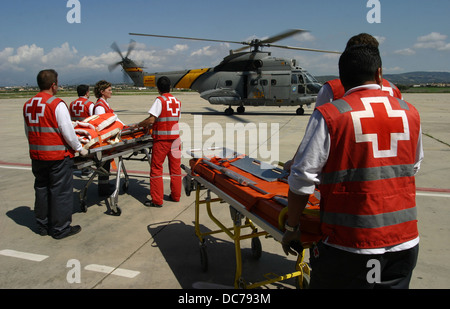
x: 74, y: 37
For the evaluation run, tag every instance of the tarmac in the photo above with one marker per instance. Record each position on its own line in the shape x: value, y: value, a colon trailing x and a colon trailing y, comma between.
x: 156, y: 248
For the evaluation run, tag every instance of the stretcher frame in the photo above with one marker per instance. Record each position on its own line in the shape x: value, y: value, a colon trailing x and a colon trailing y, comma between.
x: 238, y: 212
x: 99, y: 156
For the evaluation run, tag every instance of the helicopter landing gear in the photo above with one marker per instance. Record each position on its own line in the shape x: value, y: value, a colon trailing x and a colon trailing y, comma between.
x: 241, y: 109
x: 300, y: 111
x: 229, y: 111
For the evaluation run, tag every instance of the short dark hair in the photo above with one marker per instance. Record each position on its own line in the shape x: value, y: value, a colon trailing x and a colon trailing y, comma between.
x: 100, y: 86
x: 82, y: 90
x: 163, y: 84
x: 46, y: 78
x: 362, y: 39
x: 358, y: 64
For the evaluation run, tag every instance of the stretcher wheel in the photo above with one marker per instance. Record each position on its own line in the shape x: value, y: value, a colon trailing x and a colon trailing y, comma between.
x: 256, y: 248
x: 203, y: 257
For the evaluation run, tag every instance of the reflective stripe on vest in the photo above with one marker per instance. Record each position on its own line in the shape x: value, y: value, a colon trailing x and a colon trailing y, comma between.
x: 370, y: 221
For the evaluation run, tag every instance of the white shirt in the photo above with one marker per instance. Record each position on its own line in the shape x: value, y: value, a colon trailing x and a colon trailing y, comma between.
x: 65, y: 126
x: 311, y: 157
x: 156, y: 108
x: 325, y: 95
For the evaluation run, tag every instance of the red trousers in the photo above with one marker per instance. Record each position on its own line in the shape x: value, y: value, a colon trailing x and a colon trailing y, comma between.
x: 172, y: 150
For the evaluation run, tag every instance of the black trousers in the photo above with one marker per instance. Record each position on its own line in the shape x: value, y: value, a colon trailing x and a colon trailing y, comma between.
x: 53, y: 187
x: 338, y: 269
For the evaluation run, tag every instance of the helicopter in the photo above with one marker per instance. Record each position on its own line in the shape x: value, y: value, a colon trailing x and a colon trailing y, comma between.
x: 243, y: 78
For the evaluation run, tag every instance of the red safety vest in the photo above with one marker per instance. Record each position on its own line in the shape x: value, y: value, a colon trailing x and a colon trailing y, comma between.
x: 79, y: 109
x: 338, y: 89
x: 368, y: 186
x: 44, y: 137
x: 101, y: 102
x: 166, y: 125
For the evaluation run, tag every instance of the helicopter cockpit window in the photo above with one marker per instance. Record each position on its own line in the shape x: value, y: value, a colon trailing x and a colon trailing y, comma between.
x: 254, y: 82
x: 310, y: 79
x: 300, y: 79
x: 273, y: 82
x: 294, y: 79
x: 263, y: 82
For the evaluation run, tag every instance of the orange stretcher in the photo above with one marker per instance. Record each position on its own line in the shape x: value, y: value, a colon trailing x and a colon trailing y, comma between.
x: 131, y: 143
x: 257, y: 192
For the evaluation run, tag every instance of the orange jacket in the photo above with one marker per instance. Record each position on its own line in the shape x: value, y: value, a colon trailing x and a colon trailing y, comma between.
x: 45, y: 140
x: 166, y: 125
x: 368, y: 185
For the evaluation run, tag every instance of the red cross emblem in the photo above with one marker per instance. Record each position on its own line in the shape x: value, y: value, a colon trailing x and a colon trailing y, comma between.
x: 381, y: 125
x: 78, y: 108
x: 173, y: 105
x: 34, y: 110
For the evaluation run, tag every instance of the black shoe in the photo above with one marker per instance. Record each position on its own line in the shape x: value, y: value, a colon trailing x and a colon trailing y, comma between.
x: 149, y: 203
x: 71, y: 230
x: 42, y: 231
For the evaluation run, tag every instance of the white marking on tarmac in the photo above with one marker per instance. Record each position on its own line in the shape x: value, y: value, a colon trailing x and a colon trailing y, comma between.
x: 111, y: 270
x: 433, y: 194
x: 16, y: 167
x: 23, y: 255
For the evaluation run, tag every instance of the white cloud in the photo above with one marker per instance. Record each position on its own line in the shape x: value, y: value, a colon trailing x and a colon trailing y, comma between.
x: 305, y: 37
x: 434, y: 40
x: 60, y: 55
x: 405, y: 52
x: 380, y: 39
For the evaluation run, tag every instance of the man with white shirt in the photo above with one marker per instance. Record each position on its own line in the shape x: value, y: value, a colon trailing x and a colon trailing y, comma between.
x: 52, y: 144
x: 362, y: 151
x: 163, y: 119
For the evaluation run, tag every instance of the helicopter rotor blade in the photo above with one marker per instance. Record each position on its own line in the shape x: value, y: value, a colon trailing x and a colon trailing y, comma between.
x: 304, y: 49
x: 113, y: 66
x: 116, y: 48
x: 187, y: 38
x: 131, y: 47
x: 255, y: 43
x: 283, y: 35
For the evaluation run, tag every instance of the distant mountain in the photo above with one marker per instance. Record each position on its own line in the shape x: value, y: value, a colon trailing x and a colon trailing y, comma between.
x: 411, y: 78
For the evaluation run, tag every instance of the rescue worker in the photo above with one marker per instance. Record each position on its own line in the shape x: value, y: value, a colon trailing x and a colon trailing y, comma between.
x: 52, y: 144
x: 103, y: 92
x: 163, y: 119
x: 363, y: 152
x: 81, y: 108
x: 333, y: 89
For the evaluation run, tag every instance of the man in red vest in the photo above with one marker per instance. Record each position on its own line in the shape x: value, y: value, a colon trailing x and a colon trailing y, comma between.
x: 333, y: 89
x: 163, y: 119
x: 52, y: 144
x: 363, y: 152
x: 81, y: 108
